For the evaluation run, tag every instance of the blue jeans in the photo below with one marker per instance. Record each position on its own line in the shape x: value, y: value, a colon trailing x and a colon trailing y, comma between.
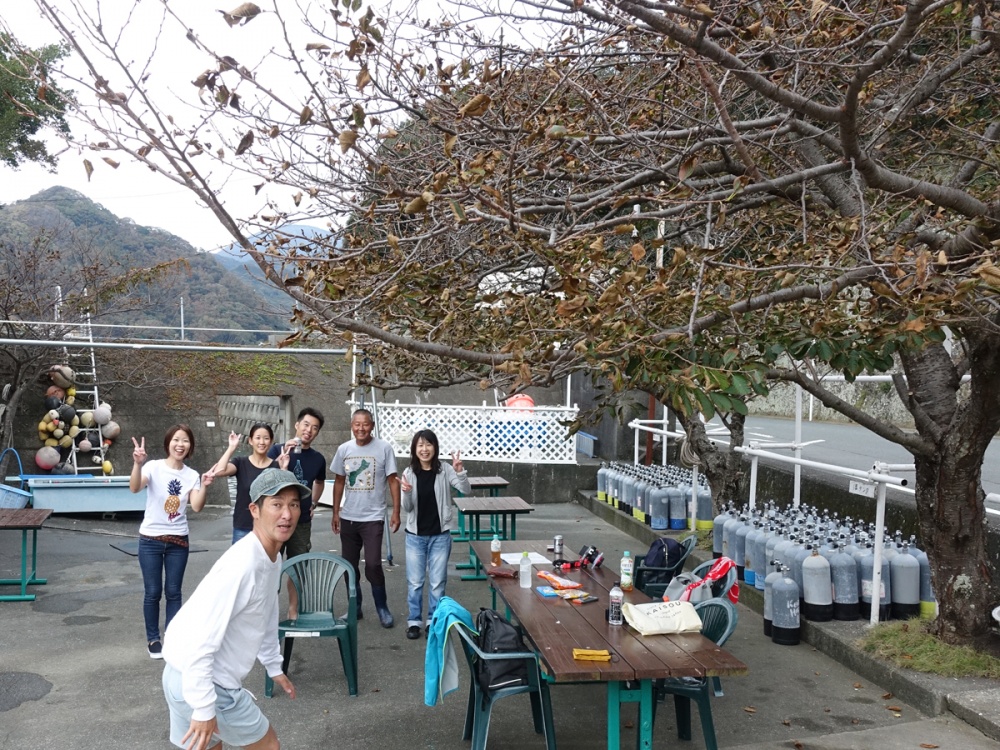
x: 162, y: 565
x: 240, y: 533
x: 426, y: 561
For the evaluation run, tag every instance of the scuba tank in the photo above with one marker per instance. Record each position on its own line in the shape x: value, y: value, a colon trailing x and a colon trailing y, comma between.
x: 703, y: 510
x: 717, y: 529
x: 904, y: 569
x: 786, y: 629
x: 740, y: 535
x: 817, y: 589
x: 750, y: 552
x: 659, y: 509
x: 769, y: 580
x: 602, y: 483
x: 843, y: 573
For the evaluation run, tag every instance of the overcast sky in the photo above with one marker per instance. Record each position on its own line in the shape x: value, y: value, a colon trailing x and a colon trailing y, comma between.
x: 132, y: 190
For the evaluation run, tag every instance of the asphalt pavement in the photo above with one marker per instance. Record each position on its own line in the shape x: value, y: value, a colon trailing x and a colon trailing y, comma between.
x: 74, y: 672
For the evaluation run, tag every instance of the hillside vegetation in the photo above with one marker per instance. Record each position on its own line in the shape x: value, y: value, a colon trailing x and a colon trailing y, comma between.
x: 90, y: 237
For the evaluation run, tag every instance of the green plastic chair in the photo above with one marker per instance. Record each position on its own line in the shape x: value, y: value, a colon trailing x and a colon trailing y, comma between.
x: 718, y: 621
x: 480, y: 707
x: 328, y: 605
x: 720, y: 587
x: 663, y: 576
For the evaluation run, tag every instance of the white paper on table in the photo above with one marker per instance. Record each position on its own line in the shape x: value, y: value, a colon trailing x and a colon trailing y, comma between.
x: 514, y: 558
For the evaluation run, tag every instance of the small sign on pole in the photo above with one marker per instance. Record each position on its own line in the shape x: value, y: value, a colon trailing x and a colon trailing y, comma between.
x: 866, y: 489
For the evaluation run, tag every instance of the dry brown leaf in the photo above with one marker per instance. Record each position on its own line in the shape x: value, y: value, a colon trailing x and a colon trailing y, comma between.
x: 858, y: 686
x: 364, y: 78
x: 750, y: 709
x: 886, y: 696
x: 110, y: 162
x: 449, y: 144
x: 305, y: 115
x: 638, y: 252
x: 245, y: 13
x: 347, y: 139
x: 928, y: 745
x: 476, y: 106
x: 893, y: 708
x: 786, y: 722
x: 88, y: 168
x: 415, y: 206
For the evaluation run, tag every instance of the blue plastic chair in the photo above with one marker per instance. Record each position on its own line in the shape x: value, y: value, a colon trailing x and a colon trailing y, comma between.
x: 718, y: 621
x: 328, y: 605
x: 480, y: 707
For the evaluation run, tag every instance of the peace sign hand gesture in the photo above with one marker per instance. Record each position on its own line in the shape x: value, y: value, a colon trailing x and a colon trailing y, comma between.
x: 139, y: 451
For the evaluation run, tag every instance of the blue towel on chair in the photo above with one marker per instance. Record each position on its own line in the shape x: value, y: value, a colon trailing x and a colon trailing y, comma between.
x: 440, y: 663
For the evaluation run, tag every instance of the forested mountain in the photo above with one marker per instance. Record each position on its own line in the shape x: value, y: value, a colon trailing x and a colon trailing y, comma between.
x: 93, y: 243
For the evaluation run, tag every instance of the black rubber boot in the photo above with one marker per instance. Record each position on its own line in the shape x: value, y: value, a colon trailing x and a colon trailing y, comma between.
x: 382, y: 607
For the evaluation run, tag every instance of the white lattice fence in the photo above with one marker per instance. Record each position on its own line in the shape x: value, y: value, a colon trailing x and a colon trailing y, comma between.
x: 484, y: 433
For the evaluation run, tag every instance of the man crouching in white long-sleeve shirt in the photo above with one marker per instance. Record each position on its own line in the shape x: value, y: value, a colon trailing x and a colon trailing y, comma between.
x: 232, y: 617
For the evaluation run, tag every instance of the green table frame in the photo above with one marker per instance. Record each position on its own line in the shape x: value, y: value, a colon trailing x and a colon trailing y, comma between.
x: 477, y: 507
x: 492, y: 485
x: 24, y: 521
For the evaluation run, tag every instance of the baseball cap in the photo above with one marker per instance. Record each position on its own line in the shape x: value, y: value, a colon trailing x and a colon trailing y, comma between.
x: 272, y: 481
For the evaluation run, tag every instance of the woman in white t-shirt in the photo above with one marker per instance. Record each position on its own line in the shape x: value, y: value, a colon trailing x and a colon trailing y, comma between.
x: 171, y: 488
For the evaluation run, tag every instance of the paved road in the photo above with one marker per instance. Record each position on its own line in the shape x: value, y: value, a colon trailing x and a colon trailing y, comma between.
x: 74, y: 671
x: 854, y: 447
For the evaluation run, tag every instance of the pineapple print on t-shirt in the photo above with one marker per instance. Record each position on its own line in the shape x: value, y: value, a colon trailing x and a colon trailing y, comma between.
x: 173, y: 503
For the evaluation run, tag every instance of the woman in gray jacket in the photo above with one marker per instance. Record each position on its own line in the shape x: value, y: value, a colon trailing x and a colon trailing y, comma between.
x: 426, y: 494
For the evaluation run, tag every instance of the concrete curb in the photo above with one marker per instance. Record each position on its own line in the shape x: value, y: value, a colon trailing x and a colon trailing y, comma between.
x: 975, y: 701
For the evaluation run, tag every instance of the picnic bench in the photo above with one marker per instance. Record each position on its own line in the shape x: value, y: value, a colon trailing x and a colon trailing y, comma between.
x: 24, y: 520
x: 492, y: 485
x: 474, y: 508
x: 554, y: 627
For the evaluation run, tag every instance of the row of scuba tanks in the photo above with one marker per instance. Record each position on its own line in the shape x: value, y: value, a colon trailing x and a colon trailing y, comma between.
x: 658, y: 496
x: 811, y: 564
x: 807, y: 562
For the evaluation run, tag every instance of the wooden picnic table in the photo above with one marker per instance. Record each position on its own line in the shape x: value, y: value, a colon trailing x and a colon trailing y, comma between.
x: 475, y: 508
x: 555, y: 627
x: 24, y: 520
x: 492, y: 485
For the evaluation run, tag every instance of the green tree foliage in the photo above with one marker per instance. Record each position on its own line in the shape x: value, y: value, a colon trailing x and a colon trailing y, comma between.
x: 29, y: 101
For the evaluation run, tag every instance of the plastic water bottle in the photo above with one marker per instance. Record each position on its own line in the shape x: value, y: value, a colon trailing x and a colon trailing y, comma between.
x: 627, y: 567
x: 495, y: 551
x: 524, y: 576
x: 615, y: 608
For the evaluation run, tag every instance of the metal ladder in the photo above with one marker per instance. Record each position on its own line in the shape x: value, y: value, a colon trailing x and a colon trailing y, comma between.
x: 84, y: 365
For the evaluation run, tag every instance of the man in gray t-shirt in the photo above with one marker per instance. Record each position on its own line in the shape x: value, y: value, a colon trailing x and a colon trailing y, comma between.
x: 362, y: 469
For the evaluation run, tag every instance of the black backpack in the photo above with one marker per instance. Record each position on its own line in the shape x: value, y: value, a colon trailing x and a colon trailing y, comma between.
x: 497, y: 636
x: 664, y: 553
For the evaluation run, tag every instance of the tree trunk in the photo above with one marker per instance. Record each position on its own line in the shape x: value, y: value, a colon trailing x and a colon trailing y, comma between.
x: 950, y: 500
x: 721, y: 465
